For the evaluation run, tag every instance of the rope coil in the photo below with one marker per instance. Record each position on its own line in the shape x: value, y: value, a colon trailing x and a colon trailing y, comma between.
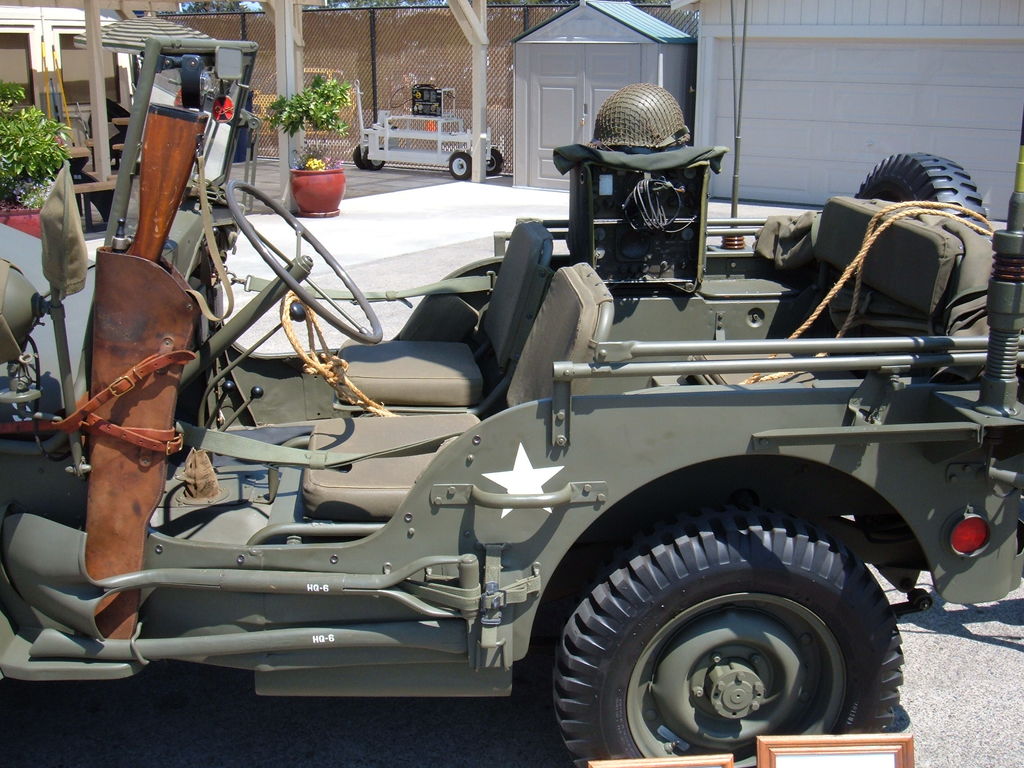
x: 326, y: 364
x: 878, y: 224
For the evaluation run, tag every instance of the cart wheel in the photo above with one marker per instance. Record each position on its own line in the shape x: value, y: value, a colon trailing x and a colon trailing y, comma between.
x: 359, y: 159
x: 495, y: 162
x: 460, y: 166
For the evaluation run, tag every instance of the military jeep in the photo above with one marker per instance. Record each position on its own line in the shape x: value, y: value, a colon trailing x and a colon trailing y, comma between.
x: 593, y: 416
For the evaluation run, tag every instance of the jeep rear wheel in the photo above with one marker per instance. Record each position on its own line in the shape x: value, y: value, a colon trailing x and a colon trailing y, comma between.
x: 720, y: 629
x: 920, y: 176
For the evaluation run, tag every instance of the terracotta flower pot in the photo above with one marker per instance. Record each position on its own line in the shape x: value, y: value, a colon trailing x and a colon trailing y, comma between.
x: 318, y: 193
x: 24, y: 219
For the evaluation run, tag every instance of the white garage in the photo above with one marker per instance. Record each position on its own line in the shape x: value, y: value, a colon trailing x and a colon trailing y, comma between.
x: 832, y: 87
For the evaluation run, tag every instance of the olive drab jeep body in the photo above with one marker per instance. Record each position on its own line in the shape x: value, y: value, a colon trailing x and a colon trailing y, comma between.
x: 591, y: 416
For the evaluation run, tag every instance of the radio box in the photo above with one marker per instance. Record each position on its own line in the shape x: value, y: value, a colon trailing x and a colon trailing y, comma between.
x: 635, y: 221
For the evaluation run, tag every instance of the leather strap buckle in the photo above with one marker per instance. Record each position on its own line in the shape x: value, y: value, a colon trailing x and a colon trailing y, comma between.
x: 122, y: 385
x: 175, y: 444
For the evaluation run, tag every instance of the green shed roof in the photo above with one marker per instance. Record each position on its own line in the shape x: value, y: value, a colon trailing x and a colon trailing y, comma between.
x: 626, y: 14
x: 640, y: 21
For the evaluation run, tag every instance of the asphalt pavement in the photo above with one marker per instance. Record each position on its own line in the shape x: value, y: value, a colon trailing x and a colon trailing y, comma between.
x: 963, y: 671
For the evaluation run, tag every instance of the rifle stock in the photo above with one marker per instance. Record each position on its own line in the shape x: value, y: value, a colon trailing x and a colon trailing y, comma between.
x: 168, y: 149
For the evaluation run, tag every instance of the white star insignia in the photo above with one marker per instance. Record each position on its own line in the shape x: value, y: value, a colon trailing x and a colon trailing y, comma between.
x: 523, y: 478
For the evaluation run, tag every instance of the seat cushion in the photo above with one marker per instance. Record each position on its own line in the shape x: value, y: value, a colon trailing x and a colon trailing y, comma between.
x: 518, y: 290
x: 566, y: 329
x: 371, y: 490
x: 440, y: 373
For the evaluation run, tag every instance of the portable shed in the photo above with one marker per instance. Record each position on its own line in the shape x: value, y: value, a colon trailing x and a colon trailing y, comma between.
x: 566, y: 67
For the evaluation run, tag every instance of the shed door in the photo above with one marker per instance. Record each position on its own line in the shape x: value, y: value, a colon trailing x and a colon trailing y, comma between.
x: 568, y: 84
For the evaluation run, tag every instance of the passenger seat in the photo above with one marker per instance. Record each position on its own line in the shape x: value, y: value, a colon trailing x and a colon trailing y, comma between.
x: 574, y: 318
x: 446, y: 373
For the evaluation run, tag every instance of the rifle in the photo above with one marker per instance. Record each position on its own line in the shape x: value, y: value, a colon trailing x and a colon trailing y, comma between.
x: 168, y: 151
x: 141, y: 313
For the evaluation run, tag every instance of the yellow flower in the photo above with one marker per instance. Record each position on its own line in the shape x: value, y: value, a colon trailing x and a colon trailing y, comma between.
x: 315, y: 164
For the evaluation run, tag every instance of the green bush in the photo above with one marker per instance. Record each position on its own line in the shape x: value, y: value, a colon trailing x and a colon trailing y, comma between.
x: 314, y: 108
x: 31, y: 153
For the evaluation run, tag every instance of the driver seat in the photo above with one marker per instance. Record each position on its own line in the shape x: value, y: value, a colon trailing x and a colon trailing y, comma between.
x: 448, y: 373
x: 576, y: 315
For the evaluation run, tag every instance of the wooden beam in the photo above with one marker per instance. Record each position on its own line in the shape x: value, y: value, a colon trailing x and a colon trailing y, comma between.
x: 286, y: 16
x: 480, y: 94
x: 123, y: 6
x: 97, y: 90
x: 468, y: 17
x: 472, y: 18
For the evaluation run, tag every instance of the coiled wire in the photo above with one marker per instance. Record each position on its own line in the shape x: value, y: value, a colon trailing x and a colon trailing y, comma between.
x: 655, y: 204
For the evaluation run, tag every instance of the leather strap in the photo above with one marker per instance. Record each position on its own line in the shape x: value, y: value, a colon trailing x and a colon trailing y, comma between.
x: 166, y: 441
x: 159, y: 440
x: 125, y: 383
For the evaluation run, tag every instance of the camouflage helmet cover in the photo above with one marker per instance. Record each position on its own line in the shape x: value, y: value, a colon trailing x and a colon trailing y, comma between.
x: 640, y: 115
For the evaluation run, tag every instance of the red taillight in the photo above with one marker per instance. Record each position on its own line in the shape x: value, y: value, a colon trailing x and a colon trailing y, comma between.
x: 969, y: 534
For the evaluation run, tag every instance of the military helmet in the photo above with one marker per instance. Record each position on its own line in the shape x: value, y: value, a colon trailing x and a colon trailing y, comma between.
x: 640, y: 115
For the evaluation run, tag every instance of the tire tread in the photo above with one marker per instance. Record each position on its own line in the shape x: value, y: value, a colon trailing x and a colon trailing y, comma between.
x: 661, y: 559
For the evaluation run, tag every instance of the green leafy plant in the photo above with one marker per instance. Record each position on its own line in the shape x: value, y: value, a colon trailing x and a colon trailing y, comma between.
x: 315, y: 109
x: 31, y: 150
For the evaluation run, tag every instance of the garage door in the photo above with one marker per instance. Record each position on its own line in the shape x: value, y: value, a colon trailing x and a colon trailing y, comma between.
x: 819, y: 114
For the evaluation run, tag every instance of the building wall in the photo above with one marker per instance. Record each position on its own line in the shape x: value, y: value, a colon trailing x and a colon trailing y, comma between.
x: 937, y: 64
x: 900, y: 13
x: 40, y: 32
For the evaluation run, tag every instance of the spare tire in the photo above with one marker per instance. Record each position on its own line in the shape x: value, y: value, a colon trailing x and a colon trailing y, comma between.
x: 920, y: 176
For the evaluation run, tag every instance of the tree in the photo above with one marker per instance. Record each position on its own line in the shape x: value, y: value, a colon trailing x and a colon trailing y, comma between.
x: 210, y: 6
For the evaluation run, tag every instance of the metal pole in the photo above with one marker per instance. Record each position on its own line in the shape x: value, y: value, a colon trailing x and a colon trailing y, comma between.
x: 737, y: 242
x: 738, y: 103
x: 373, y: 63
x: 1005, y: 303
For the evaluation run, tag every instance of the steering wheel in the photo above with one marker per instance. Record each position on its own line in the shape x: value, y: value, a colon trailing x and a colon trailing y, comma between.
x: 277, y: 261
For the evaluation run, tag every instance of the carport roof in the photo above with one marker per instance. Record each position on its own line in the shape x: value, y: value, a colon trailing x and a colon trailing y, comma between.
x: 628, y: 15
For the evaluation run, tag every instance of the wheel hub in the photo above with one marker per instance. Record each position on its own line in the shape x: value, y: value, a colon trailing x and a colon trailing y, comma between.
x: 736, y: 689
x: 730, y: 669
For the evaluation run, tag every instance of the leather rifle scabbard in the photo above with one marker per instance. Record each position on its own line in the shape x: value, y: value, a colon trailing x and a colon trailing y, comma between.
x: 168, y: 154
x: 141, y: 310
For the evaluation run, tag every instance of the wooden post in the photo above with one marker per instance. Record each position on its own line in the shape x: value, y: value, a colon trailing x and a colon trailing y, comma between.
x: 97, y: 91
x: 288, y: 47
x: 473, y: 21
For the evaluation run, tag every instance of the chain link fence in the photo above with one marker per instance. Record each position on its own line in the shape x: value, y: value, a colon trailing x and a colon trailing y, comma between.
x: 388, y: 50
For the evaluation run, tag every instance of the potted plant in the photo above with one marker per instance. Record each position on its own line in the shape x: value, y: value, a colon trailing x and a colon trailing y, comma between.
x: 31, y: 155
x: 317, y: 179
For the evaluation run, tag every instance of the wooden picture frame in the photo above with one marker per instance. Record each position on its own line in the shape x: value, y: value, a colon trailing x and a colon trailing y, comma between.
x: 690, y: 761
x: 883, y: 750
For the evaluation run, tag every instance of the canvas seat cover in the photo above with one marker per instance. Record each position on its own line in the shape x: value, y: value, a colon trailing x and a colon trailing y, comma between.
x: 440, y: 373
